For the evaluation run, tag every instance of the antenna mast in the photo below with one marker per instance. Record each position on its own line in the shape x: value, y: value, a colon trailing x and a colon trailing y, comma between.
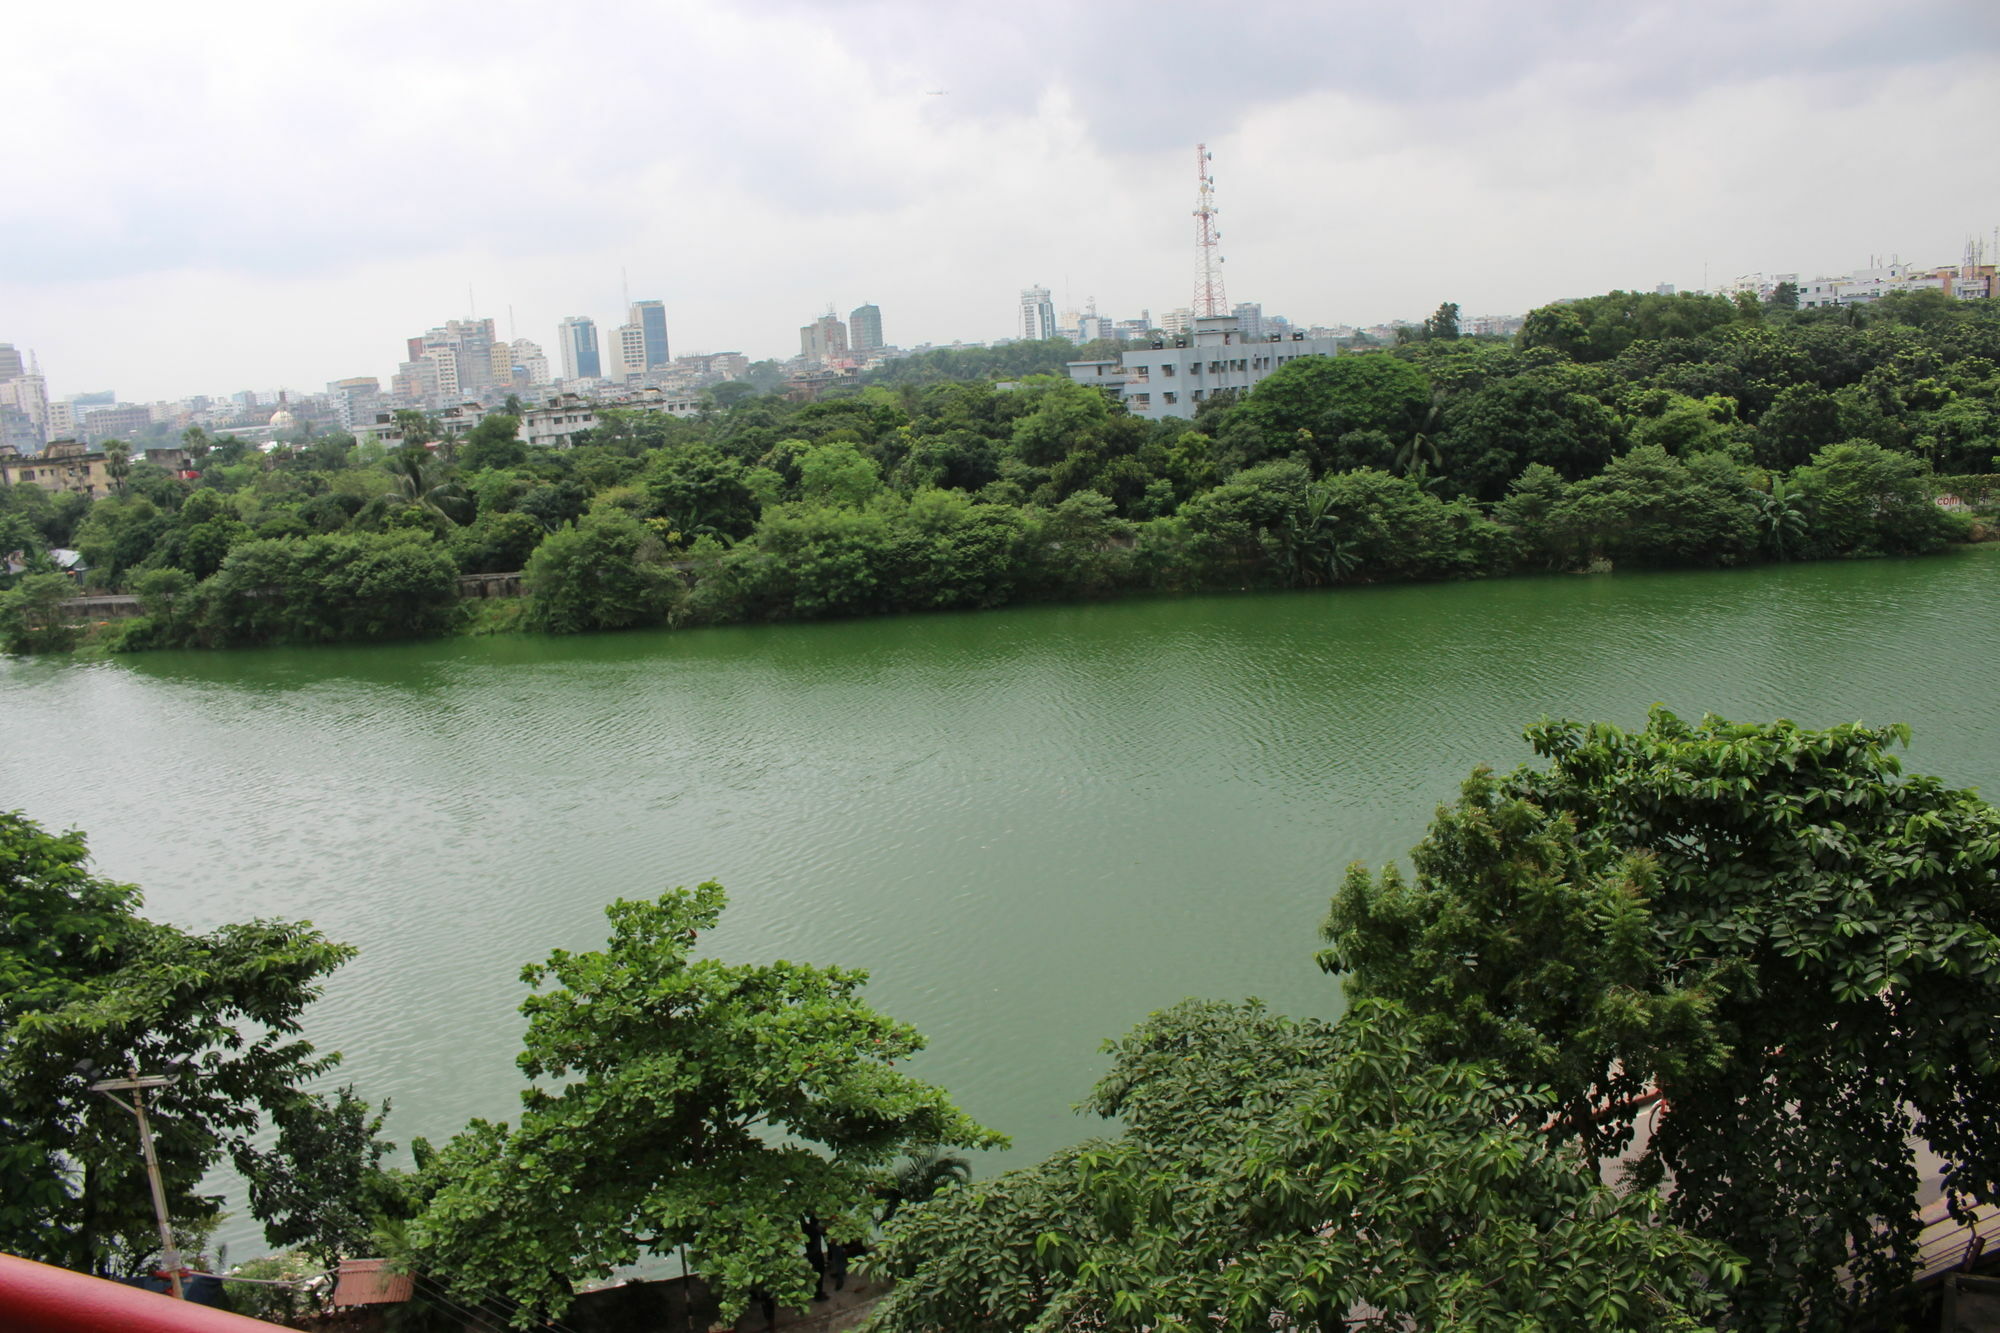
x: 1209, y: 298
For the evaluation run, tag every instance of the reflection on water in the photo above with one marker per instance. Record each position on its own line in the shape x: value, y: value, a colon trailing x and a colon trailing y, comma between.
x: 1032, y: 826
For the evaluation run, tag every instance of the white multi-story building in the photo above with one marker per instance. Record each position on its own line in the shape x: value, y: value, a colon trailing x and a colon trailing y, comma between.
x: 628, y: 352
x: 445, y: 373
x: 1174, y: 379
x: 1967, y: 282
x: 1038, y: 315
x: 556, y: 423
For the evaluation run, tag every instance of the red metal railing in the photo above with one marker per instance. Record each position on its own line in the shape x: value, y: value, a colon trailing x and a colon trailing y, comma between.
x: 35, y: 1298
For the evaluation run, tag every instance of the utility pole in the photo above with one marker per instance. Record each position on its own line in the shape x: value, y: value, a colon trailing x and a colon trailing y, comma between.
x: 170, y: 1258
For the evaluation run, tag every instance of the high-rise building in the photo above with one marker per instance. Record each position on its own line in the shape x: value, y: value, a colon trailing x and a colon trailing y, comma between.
x: 355, y: 401
x: 1038, y: 314
x: 824, y: 339
x: 460, y: 352
x: 529, y: 367
x: 11, y: 366
x: 628, y: 351
x: 651, y: 317
x: 864, y: 328
x: 1250, y: 319
x: 28, y: 394
x: 579, y: 349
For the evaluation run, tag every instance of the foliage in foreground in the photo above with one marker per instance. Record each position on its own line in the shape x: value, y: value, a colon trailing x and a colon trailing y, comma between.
x: 1773, y: 926
x: 697, y: 1103
x: 1306, y: 1171
x: 84, y: 977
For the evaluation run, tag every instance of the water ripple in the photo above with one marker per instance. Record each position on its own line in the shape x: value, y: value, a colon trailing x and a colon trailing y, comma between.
x: 1031, y: 826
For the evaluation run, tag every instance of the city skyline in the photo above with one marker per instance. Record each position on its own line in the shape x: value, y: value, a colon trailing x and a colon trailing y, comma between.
x: 1368, y: 165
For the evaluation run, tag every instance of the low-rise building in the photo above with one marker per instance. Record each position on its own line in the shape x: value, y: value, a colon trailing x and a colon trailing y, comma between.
x: 1175, y: 376
x: 71, y: 465
x: 557, y: 423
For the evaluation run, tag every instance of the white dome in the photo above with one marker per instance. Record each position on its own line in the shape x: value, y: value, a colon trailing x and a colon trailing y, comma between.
x: 283, y: 420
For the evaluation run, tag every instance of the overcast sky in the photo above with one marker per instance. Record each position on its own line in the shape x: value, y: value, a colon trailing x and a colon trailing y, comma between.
x: 206, y: 197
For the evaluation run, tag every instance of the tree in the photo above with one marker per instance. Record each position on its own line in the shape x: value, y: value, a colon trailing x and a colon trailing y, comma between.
x: 422, y: 483
x: 32, y: 618
x: 167, y: 596
x: 920, y: 1175
x: 117, y: 465
x: 1307, y: 406
x: 696, y: 1104
x: 1280, y: 1173
x: 607, y: 572
x: 1781, y: 520
x: 1788, y: 940
x: 1539, y: 416
x: 1802, y: 419
x: 837, y: 474
x: 698, y: 490
x: 416, y: 429
x: 498, y: 543
x: 196, y: 442
x: 1867, y: 500
x: 1650, y: 508
x: 1442, y: 326
x: 337, y: 588
x: 494, y: 442
x: 83, y: 977
x: 316, y: 1187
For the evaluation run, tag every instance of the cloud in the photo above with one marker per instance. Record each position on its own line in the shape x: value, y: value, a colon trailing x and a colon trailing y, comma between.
x: 200, y: 179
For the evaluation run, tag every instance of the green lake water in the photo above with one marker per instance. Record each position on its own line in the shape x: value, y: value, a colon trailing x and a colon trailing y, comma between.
x: 1031, y: 826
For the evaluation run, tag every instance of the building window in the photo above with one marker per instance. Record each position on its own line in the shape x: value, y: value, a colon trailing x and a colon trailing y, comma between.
x: 1168, y: 371
x: 1171, y: 398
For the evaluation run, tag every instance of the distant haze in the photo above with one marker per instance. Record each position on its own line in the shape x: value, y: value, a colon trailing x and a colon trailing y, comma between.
x: 224, y: 195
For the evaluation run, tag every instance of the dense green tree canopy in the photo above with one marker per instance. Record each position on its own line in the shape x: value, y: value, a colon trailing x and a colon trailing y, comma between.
x: 1543, y: 416
x: 610, y: 571
x: 1541, y: 449
x: 1775, y: 928
x: 1311, y: 405
x: 1275, y: 1173
x: 690, y: 1102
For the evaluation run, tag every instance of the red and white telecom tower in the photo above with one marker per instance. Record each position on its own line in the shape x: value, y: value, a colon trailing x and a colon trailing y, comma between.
x: 1209, y: 298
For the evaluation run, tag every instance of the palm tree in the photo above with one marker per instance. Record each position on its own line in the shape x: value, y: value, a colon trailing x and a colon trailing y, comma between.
x: 421, y: 482
x: 1782, y: 519
x: 117, y: 464
x: 1420, y: 446
x: 1308, y: 541
x: 921, y: 1175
